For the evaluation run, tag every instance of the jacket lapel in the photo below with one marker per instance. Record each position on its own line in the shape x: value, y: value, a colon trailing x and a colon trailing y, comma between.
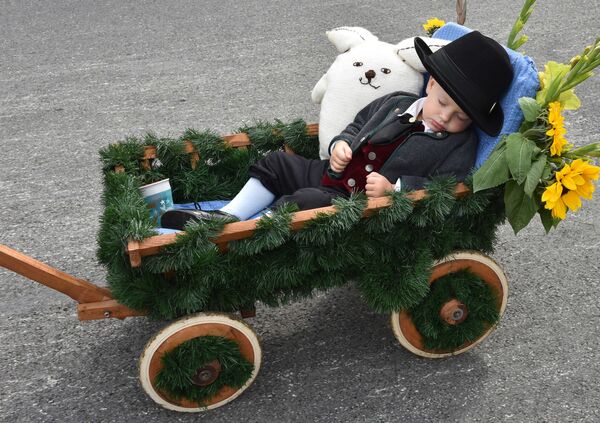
x: 392, y: 128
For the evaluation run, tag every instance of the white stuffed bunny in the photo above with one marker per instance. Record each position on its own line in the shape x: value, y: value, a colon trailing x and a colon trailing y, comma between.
x: 365, y: 70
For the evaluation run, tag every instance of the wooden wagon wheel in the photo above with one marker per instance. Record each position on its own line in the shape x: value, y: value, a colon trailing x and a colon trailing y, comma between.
x: 453, y: 312
x: 201, y: 326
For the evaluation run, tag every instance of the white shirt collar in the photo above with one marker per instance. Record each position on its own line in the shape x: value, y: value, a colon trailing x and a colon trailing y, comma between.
x: 416, y: 108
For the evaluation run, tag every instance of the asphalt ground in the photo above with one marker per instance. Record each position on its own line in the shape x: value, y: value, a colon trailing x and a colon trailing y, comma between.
x: 76, y: 76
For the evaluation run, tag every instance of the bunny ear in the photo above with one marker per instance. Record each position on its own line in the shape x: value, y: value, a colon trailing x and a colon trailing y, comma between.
x: 346, y: 37
x: 408, y: 54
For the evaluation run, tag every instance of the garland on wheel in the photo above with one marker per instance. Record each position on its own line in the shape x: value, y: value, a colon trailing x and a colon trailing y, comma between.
x: 471, y: 291
x: 389, y: 254
x: 180, y: 365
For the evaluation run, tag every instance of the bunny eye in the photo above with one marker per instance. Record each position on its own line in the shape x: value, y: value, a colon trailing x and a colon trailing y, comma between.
x: 385, y: 70
x: 357, y: 64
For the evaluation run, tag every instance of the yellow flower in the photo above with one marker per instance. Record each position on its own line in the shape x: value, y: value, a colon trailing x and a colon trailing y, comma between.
x: 542, y: 78
x: 552, y: 193
x: 432, y: 25
x: 558, y: 208
x: 586, y: 190
x: 577, y: 179
x: 554, y: 202
x: 570, y: 177
x: 556, y: 120
x: 572, y: 200
x: 589, y: 172
x: 554, y: 116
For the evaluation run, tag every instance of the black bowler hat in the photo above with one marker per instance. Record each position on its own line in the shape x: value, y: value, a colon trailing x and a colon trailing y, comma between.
x: 475, y: 71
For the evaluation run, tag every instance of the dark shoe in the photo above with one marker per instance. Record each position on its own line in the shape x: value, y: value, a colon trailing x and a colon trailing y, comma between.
x: 177, y: 219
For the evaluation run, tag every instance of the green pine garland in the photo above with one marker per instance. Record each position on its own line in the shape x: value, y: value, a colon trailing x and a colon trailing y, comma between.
x: 182, y: 363
x: 389, y: 255
x: 470, y: 290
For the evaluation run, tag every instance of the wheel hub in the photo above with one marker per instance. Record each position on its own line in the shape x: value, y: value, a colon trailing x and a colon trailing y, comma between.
x: 207, y: 374
x: 454, y: 312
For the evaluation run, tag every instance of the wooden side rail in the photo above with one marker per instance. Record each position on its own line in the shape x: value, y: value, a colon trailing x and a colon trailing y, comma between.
x: 241, y: 140
x: 241, y: 230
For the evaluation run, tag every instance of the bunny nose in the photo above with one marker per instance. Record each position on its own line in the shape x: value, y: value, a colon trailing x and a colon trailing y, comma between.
x: 370, y: 74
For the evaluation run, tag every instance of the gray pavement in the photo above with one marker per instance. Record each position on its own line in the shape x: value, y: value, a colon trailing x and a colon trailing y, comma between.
x: 75, y: 76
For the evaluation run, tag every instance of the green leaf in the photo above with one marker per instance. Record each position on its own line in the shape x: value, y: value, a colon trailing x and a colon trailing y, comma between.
x: 518, y: 155
x: 493, y: 172
x: 568, y: 100
x: 520, y: 208
x: 534, y: 175
x: 553, y: 76
x: 547, y: 220
x: 547, y: 171
x: 531, y: 109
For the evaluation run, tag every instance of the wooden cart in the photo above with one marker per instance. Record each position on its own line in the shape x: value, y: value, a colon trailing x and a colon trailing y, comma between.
x: 96, y: 302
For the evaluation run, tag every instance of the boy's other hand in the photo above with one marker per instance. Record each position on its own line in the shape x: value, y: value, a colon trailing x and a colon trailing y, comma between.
x: 340, y: 157
x: 377, y: 185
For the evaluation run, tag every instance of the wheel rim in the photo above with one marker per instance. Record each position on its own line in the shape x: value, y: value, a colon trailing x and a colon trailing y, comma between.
x: 203, y: 324
x: 477, y: 263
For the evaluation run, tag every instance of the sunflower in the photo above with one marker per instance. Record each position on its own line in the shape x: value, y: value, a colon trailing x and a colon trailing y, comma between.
x: 557, y: 131
x: 433, y: 25
x: 576, y: 179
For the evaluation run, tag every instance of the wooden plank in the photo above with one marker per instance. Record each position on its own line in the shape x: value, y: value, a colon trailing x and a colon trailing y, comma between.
x: 149, y: 152
x: 148, y: 247
x: 189, y: 147
x: 134, y: 256
x: 240, y: 140
x: 312, y: 129
x: 105, y: 310
x: 80, y: 290
x: 237, y: 140
x: 241, y: 230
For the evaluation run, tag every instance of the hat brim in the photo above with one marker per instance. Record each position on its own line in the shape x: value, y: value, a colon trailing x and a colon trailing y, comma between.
x: 444, y: 71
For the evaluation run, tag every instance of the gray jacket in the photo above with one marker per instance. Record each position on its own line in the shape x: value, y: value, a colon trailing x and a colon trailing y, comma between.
x: 422, y: 155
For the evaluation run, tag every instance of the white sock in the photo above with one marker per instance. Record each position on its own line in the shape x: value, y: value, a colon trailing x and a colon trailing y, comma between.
x: 251, y: 199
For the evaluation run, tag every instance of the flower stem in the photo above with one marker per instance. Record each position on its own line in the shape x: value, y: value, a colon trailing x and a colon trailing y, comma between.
x: 518, y: 25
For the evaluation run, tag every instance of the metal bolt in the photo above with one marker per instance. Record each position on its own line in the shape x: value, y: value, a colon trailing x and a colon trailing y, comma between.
x: 458, y: 314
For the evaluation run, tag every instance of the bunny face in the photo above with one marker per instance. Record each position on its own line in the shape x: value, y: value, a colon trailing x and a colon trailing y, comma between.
x: 373, y: 68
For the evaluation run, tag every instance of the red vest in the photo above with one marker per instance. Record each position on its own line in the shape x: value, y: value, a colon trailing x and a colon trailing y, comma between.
x: 366, y: 159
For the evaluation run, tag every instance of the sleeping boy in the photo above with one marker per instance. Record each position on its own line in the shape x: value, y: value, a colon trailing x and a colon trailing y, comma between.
x: 396, y: 142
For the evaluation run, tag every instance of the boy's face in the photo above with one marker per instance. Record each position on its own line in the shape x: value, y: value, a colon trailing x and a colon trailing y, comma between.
x: 440, y: 112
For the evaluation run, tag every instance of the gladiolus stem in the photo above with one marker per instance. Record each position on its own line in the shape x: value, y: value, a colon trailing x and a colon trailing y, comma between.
x: 576, y: 81
x: 585, y: 150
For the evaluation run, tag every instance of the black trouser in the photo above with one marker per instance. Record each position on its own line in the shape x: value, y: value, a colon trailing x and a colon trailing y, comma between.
x: 295, y: 179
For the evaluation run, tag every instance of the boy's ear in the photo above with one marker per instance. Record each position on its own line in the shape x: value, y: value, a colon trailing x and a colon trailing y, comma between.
x: 408, y: 54
x: 346, y: 37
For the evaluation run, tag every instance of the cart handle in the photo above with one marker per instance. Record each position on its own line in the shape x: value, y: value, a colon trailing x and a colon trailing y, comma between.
x: 80, y: 290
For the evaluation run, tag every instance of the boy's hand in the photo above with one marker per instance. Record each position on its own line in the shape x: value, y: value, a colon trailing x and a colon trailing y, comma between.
x: 340, y: 157
x: 377, y: 185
